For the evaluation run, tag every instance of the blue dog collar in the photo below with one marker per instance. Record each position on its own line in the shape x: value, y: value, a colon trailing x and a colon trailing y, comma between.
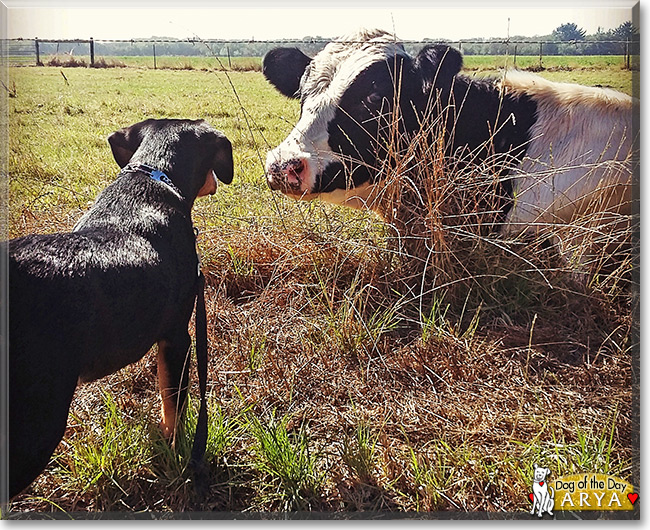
x: 156, y: 175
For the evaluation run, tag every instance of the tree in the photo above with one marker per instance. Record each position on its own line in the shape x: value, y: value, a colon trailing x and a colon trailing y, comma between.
x: 626, y: 31
x: 568, y: 32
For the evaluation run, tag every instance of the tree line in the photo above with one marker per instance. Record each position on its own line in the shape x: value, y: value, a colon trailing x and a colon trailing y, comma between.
x: 566, y: 39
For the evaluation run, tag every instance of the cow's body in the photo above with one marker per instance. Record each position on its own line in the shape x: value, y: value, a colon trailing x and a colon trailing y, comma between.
x: 581, y: 144
x: 562, y: 147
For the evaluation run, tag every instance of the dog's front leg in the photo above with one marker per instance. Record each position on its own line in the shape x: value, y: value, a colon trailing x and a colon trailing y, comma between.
x: 541, y: 504
x: 173, y: 373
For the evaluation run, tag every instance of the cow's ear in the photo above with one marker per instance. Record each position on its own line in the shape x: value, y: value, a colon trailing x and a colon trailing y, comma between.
x: 283, y: 67
x: 437, y: 65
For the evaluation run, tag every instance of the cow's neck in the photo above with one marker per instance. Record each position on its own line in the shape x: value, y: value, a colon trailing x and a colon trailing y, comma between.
x: 487, y: 126
x: 488, y: 122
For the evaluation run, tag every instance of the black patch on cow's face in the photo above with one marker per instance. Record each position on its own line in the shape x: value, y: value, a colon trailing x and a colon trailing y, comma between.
x: 381, y: 107
x: 334, y: 177
x: 365, y: 124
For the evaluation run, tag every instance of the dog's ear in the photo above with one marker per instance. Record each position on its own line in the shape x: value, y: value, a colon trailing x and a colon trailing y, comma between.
x: 548, y: 472
x: 222, y: 165
x: 124, y: 143
x: 535, y: 466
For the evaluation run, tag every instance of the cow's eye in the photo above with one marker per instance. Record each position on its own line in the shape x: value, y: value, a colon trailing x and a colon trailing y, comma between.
x: 374, y: 98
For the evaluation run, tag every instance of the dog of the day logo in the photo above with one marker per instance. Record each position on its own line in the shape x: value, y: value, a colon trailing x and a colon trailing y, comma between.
x: 584, y: 491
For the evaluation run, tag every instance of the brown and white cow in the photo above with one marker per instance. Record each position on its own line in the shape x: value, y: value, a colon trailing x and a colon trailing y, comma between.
x: 563, y: 144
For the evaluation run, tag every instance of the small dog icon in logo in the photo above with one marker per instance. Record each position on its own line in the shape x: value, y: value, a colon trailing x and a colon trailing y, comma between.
x: 543, y: 501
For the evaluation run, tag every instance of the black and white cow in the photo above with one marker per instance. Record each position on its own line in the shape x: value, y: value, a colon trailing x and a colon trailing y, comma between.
x: 566, y: 142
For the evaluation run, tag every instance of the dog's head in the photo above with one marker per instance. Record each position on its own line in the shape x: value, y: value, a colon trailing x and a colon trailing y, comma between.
x: 540, y: 473
x: 190, y: 152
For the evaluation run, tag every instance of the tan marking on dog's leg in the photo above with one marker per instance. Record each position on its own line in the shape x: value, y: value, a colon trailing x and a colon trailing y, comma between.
x: 173, y: 370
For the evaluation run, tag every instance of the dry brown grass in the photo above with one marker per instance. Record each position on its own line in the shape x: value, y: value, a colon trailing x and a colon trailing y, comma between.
x: 462, y: 395
x: 457, y: 414
x: 68, y: 61
x: 426, y: 370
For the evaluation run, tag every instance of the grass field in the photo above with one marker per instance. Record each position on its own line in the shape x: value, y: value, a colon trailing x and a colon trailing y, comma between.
x: 332, y: 386
x: 605, y: 70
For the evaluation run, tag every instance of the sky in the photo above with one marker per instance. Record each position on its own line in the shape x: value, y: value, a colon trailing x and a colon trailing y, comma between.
x: 248, y: 19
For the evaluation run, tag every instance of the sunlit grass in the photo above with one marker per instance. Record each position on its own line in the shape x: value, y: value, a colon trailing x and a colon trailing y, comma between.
x: 394, y: 385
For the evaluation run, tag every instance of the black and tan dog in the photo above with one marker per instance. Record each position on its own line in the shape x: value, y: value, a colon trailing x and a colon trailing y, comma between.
x: 86, y: 303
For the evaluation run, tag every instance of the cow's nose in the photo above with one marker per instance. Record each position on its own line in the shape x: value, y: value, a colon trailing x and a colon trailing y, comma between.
x: 289, y: 174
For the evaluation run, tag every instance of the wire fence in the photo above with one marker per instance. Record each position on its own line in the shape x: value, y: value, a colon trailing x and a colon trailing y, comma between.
x: 75, y: 51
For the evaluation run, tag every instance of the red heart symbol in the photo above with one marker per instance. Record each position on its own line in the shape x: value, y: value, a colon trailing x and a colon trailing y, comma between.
x: 633, y: 497
x: 541, y: 483
x: 532, y: 497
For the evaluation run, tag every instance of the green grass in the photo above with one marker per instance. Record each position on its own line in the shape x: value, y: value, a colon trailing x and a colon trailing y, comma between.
x: 360, y: 452
x: 163, y: 62
x: 381, y: 400
x: 287, y: 463
x: 104, y: 464
x: 58, y: 149
x: 550, y: 62
x: 606, y: 71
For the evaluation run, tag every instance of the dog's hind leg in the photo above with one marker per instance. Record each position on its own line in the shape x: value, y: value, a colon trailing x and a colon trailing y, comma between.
x: 541, y: 504
x: 550, y: 504
x: 173, y: 374
x: 39, y: 400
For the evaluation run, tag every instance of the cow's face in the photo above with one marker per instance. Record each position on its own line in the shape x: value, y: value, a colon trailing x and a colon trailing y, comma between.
x: 355, y: 96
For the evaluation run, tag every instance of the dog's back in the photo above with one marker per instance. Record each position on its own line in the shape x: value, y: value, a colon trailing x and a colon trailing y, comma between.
x: 131, y: 254
x: 87, y: 285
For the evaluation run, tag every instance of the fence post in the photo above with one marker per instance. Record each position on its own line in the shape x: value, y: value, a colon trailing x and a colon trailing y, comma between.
x: 92, y: 52
x: 515, y: 58
x: 154, y: 57
x: 540, y: 54
x: 627, y: 53
x: 38, y: 53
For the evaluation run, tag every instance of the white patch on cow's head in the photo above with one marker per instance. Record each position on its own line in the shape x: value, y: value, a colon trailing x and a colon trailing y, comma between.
x: 326, y: 79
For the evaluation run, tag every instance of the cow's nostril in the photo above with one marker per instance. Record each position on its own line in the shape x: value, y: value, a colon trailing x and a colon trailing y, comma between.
x: 287, y: 175
x: 294, y: 171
